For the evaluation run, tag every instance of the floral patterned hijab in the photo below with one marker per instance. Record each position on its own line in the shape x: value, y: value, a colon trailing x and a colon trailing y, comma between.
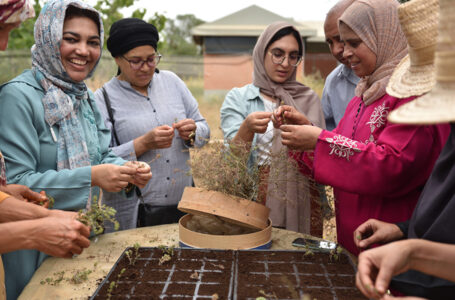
x: 376, y: 23
x: 62, y: 96
x: 13, y: 11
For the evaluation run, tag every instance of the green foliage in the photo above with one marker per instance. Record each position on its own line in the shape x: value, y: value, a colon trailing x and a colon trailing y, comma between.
x: 177, y: 34
x: 110, y: 12
x: 80, y: 276
x: 59, y: 277
x: 133, y: 254
x: 160, y: 22
x: 22, y: 37
x: 97, y: 215
x: 335, y: 253
x: 113, y: 285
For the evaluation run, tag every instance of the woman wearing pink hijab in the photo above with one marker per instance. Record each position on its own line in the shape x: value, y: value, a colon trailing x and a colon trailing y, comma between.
x: 377, y: 169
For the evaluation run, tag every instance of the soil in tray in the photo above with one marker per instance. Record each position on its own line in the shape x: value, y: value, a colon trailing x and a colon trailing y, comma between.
x: 199, y: 274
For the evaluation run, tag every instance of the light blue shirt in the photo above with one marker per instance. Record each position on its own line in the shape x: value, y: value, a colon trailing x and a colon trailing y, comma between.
x: 338, y: 91
x: 168, y: 101
x: 237, y: 105
x: 31, y: 159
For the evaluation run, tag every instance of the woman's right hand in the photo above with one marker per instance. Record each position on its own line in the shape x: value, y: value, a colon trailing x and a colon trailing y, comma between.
x: 376, y: 232
x: 112, y: 178
x: 158, y: 138
x: 257, y: 122
x: 60, y: 236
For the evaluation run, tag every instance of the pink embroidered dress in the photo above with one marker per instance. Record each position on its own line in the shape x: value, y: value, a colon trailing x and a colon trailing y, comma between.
x: 377, y: 169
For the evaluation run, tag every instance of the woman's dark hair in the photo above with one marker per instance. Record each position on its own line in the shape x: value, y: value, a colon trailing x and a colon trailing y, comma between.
x: 284, y: 32
x: 74, y: 11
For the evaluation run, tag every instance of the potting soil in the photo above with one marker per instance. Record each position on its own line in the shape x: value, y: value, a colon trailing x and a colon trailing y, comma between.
x: 228, y: 274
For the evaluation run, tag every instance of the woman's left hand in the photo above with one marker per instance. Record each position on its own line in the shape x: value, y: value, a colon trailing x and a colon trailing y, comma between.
x: 286, y: 114
x: 300, y: 137
x: 186, y: 128
x: 143, y: 173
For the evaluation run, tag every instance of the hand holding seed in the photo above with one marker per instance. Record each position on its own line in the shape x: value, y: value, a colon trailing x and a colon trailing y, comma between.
x: 112, y: 178
x: 257, y: 122
x: 377, y: 266
x: 22, y: 192
x: 286, y: 114
x: 186, y: 128
x: 159, y: 137
x: 376, y: 232
x: 143, y: 173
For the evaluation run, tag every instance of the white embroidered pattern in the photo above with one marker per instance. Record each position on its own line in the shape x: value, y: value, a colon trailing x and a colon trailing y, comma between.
x: 342, y: 146
x: 377, y: 119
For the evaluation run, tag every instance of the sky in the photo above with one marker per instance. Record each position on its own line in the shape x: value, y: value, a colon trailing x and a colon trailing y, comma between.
x: 299, y: 10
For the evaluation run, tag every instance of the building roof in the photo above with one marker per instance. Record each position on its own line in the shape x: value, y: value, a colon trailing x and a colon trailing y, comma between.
x: 248, y: 22
x: 319, y: 37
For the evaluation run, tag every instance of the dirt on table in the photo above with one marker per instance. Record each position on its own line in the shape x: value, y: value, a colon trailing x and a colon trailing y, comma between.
x: 226, y: 274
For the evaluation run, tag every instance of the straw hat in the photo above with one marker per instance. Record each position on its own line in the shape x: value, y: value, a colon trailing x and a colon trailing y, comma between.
x: 438, y: 106
x: 414, y: 75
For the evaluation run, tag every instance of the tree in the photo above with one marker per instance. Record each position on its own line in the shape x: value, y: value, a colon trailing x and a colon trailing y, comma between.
x: 177, y: 34
x: 22, y: 37
x: 110, y: 12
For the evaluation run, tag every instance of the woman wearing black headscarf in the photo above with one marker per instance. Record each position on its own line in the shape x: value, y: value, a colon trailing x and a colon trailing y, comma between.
x: 152, y: 115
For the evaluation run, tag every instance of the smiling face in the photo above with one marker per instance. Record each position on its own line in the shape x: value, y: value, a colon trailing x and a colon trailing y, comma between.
x: 360, y: 58
x: 140, y: 78
x: 80, y: 47
x: 286, y: 46
x: 332, y: 37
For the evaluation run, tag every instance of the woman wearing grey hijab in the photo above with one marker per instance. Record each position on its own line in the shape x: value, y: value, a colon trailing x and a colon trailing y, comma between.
x: 246, y: 120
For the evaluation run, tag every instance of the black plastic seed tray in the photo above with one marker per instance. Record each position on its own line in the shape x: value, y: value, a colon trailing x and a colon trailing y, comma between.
x: 228, y: 274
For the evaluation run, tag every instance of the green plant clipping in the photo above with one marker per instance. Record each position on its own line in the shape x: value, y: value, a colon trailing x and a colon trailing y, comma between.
x: 97, y: 215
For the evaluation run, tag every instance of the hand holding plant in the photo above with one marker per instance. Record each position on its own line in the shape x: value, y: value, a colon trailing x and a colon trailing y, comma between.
x: 61, y: 237
x: 158, y: 138
x: 257, y: 122
x: 22, y: 192
x: 143, y: 173
x: 376, y: 232
x: 97, y: 215
x: 186, y: 128
x: 286, y: 114
x: 112, y: 178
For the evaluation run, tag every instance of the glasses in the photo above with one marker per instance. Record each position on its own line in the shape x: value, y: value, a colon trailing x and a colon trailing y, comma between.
x: 278, y: 57
x: 137, y: 63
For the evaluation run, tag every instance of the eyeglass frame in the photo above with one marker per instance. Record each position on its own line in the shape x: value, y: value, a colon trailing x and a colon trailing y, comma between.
x: 144, y: 61
x: 284, y: 57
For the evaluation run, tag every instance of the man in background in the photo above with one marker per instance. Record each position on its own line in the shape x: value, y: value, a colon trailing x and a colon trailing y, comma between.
x: 341, y: 82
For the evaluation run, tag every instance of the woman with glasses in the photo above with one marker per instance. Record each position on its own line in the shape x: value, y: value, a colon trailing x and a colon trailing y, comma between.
x: 246, y: 121
x: 377, y: 169
x: 153, y: 117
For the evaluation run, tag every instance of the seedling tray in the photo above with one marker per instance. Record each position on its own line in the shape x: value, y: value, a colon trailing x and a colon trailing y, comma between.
x: 231, y: 274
